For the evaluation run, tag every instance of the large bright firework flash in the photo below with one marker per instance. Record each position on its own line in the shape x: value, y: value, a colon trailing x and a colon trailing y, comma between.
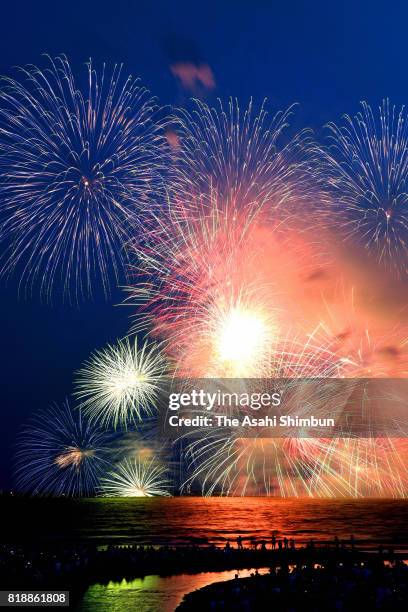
x: 365, y: 169
x: 78, y: 160
x: 217, y: 283
x: 61, y: 453
x: 121, y: 384
x: 136, y: 478
x: 248, y: 157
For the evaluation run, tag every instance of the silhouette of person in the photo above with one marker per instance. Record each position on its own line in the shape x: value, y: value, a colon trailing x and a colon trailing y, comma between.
x: 239, y: 543
x: 273, y: 541
x: 285, y: 541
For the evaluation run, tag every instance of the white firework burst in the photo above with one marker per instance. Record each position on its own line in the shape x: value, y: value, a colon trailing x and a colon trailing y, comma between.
x: 121, y: 383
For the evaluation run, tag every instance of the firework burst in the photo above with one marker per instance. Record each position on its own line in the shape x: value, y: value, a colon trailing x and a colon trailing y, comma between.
x: 77, y: 162
x: 59, y: 453
x: 233, y: 280
x: 367, y: 346
x: 136, y: 478
x: 366, y: 170
x: 121, y: 383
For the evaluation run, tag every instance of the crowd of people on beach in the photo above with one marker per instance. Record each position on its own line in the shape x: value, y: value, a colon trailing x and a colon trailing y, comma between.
x: 289, y: 543
x: 33, y: 565
x: 338, y: 586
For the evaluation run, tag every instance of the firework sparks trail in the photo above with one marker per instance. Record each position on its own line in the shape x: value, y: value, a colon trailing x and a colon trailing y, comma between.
x: 239, y: 154
x: 235, y: 465
x: 366, y: 347
x: 232, y: 464
x: 78, y: 162
x: 293, y: 467
x: 121, y: 383
x: 60, y: 453
x: 136, y: 478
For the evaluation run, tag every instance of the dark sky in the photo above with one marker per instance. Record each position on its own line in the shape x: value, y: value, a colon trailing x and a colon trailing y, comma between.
x: 326, y: 55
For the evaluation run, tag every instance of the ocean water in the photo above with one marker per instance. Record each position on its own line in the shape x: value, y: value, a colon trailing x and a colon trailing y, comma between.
x: 182, y: 520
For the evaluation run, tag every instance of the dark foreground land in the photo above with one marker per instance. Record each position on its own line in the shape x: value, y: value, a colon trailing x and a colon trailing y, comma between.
x: 331, y: 576
x: 333, y: 585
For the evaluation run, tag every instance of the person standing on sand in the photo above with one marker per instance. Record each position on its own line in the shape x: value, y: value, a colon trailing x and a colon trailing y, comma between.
x: 273, y: 542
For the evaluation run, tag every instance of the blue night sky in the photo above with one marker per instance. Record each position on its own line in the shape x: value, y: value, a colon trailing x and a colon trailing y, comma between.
x: 325, y: 55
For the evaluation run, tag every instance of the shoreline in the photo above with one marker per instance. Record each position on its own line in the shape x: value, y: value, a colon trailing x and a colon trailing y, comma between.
x: 33, y: 567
